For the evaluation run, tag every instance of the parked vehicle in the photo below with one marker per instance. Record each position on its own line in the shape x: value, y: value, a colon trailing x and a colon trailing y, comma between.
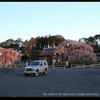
x: 36, y: 67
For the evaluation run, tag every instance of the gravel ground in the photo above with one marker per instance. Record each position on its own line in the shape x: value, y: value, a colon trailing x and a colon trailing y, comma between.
x: 58, y: 83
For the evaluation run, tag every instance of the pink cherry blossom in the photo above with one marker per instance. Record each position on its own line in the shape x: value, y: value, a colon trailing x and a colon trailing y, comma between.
x: 8, y: 57
x: 76, y: 52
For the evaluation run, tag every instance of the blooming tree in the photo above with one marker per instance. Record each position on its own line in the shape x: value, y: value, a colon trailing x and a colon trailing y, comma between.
x: 8, y: 57
x: 75, y: 52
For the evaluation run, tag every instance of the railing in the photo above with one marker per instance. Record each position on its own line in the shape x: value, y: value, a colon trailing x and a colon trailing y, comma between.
x: 75, y: 66
x: 59, y: 66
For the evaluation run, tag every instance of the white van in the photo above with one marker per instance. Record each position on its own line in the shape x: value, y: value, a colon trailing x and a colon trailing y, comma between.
x: 36, y: 67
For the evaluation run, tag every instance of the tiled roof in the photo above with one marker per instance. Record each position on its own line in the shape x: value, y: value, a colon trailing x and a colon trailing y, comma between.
x: 47, y: 51
x: 98, y: 54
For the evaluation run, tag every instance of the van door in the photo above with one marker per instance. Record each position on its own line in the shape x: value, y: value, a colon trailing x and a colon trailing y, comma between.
x: 41, y: 67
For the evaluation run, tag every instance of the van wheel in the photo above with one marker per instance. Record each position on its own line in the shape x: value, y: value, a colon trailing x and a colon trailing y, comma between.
x: 36, y: 73
x: 45, y: 72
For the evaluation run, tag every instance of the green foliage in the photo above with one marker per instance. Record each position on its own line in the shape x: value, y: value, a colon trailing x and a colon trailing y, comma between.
x: 35, y: 53
x: 93, y: 41
x: 48, y: 41
x: 10, y: 43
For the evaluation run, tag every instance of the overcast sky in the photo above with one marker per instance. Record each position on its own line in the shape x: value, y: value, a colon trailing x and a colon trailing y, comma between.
x: 72, y: 20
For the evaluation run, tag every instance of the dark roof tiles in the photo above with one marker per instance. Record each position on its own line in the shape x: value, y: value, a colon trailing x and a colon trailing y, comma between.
x: 48, y: 51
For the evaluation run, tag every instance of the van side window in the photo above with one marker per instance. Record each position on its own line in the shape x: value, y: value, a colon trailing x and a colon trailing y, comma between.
x: 41, y: 64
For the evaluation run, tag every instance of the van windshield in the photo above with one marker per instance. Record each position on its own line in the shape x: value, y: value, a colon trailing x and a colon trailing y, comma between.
x: 35, y: 63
